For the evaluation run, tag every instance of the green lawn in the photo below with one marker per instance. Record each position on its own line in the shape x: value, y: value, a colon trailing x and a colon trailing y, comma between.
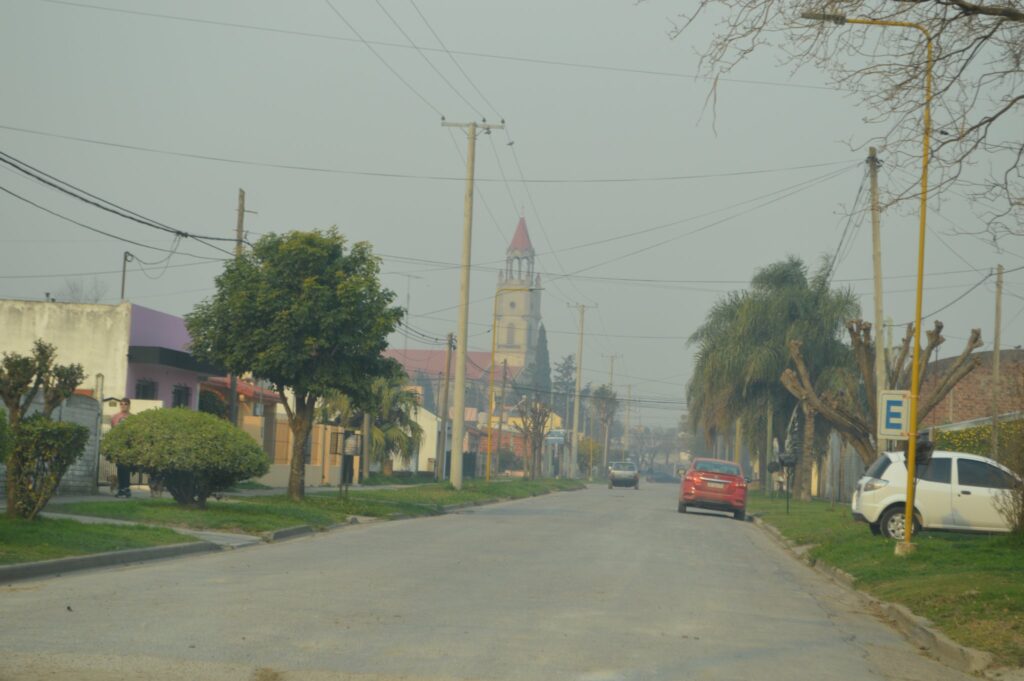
x: 320, y: 509
x: 23, y: 541
x: 971, y: 586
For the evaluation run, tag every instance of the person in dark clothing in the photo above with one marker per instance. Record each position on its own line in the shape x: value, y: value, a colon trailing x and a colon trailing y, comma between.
x: 124, y: 473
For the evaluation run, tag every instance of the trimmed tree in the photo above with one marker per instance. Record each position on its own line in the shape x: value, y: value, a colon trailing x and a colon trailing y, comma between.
x: 306, y: 314
x: 192, y: 454
x: 33, y: 474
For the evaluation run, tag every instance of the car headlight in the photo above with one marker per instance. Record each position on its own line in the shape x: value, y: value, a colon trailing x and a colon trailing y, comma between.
x: 874, y: 483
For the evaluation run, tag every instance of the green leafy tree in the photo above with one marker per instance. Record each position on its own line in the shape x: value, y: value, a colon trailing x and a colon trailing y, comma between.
x: 308, y: 315
x: 534, y: 424
x: 212, y: 403
x: 541, y: 377
x: 606, y: 403
x: 193, y: 455
x: 742, y: 350
x: 23, y: 378
x: 564, y: 385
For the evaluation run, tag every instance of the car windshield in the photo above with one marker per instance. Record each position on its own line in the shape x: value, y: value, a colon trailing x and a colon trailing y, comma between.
x: 717, y: 467
x: 623, y: 466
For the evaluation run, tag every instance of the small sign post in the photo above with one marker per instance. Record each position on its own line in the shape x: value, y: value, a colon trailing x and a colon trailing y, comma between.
x: 893, y: 415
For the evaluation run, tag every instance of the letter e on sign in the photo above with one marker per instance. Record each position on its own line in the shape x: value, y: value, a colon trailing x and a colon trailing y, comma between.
x: 893, y: 414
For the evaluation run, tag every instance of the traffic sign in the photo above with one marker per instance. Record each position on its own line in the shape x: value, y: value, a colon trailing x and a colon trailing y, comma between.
x: 893, y: 414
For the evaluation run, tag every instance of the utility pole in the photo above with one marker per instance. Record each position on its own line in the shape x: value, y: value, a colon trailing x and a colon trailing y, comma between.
x: 876, y: 259
x: 408, y: 307
x: 501, y: 411
x: 439, y: 460
x: 625, y: 435
x: 611, y: 370
x: 995, y: 362
x: 239, y: 232
x: 766, y: 482
x: 462, y: 333
x: 577, y: 432
x: 736, y: 445
x: 127, y: 258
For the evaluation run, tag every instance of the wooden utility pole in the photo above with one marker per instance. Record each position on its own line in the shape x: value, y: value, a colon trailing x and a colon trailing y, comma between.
x: 462, y: 333
x: 876, y: 259
x: 625, y: 435
x: 439, y: 465
x: 766, y: 481
x: 239, y: 234
x: 995, y: 362
x: 737, y: 442
x: 577, y: 432
x: 501, y: 410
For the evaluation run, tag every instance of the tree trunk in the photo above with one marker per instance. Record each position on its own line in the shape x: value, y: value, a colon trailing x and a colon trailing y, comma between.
x: 805, y: 467
x: 301, y: 424
x: 607, y: 433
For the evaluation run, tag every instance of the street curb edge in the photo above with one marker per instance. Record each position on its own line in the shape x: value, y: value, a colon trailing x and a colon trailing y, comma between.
x: 58, y: 566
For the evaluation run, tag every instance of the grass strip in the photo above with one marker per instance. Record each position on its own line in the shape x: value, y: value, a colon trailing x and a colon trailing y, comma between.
x: 969, y: 585
x: 23, y: 541
x: 255, y: 514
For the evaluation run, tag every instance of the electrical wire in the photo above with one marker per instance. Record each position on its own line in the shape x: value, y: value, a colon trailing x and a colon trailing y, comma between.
x: 96, y: 230
x: 382, y: 59
x: 414, y: 176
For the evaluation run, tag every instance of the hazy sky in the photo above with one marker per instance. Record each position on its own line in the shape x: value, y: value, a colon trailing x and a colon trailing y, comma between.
x: 643, y: 198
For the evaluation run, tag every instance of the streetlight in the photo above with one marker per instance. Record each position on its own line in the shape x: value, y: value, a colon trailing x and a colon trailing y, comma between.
x: 905, y: 547
x: 490, y: 390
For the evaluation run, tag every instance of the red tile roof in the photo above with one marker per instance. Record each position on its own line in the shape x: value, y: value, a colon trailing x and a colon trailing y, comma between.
x: 521, y: 239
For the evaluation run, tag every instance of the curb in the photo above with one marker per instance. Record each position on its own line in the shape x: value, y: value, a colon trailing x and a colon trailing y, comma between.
x: 287, y: 533
x: 918, y: 630
x: 58, y: 566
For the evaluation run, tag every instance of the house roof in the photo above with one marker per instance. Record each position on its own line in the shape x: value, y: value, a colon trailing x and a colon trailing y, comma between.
x: 431, y: 363
x: 521, y: 239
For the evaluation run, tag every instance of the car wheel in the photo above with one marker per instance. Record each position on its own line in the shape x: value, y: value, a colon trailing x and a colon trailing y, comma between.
x: 892, y: 524
x: 875, y: 528
x: 682, y: 507
x: 740, y: 515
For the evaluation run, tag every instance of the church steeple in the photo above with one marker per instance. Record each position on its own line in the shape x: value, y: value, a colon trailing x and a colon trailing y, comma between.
x: 520, y: 255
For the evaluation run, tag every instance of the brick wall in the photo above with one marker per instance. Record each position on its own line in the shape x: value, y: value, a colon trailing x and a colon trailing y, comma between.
x: 971, y: 398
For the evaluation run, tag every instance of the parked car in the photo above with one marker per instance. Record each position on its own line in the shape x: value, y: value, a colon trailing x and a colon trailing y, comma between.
x: 955, y: 491
x: 714, y: 484
x: 623, y: 473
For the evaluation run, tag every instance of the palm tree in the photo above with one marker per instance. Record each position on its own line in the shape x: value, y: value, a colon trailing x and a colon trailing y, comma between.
x: 394, y: 429
x: 605, y: 403
x: 742, y: 350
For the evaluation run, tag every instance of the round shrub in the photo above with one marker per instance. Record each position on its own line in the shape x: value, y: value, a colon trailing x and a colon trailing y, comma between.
x: 44, y: 450
x: 192, y: 454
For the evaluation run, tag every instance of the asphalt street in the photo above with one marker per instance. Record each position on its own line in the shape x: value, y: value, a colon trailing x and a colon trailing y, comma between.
x: 597, y: 585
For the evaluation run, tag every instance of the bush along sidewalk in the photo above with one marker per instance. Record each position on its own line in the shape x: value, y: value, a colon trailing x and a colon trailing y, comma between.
x: 968, y: 585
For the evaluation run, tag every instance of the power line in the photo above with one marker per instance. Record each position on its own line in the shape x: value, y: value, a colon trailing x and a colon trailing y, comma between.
x: 103, y: 204
x: 464, y: 53
x: 414, y: 176
x: 94, y: 229
x: 382, y: 59
x: 424, y: 56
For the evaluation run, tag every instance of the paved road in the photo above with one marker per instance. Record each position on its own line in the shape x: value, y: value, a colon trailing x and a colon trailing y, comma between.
x: 597, y: 585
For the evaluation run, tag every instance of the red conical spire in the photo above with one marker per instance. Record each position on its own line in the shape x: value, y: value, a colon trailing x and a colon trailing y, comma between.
x: 521, y: 239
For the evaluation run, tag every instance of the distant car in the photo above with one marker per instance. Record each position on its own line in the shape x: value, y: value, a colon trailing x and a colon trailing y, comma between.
x: 623, y: 473
x: 955, y: 491
x: 714, y: 484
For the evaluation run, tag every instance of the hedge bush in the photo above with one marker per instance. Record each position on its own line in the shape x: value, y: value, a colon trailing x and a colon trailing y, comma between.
x: 978, y: 440
x: 192, y: 454
x: 46, y: 449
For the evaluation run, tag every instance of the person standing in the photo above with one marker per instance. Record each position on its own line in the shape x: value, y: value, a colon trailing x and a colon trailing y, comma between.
x: 124, y: 473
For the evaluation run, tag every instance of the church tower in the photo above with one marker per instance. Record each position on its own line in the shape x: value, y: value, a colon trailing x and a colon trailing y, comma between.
x: 518, y: 303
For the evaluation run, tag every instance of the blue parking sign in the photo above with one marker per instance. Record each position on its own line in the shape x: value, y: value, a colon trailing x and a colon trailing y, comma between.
x: 893, y: 414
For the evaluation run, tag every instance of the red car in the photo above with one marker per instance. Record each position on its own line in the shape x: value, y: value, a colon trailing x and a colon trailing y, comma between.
x: 714, y: 484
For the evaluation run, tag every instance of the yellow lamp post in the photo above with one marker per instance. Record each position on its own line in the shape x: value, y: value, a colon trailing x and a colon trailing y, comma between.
x: 905, y: 547
x: 490, y: 389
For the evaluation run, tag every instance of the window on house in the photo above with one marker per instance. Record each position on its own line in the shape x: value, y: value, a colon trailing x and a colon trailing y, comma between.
x: 181, y: 396
x: 145, y: 389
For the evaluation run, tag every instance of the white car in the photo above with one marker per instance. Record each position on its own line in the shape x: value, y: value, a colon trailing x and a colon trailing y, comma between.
x: 955, y: 491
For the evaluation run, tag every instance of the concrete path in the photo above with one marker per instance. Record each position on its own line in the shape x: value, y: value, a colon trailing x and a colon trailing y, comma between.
x: 222, y: 539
